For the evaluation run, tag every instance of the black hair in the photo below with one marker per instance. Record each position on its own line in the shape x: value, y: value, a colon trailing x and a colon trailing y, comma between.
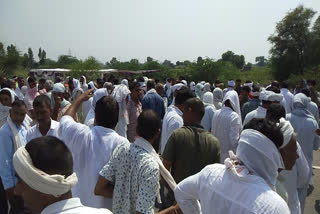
x: 31, y: 80
x: 275, y: 112
x: 275, y: 84
x: 183, y: 94
x: 238, y: 80
x: 148, y: 124
x: 70, y: 81
x: 133, y: 85
x: 5, y: 92
x: 196, y: 106
x: 107, y: 112
x: 284, y: 84
x: 18, y: 103
x: 40, y: 100
x: 246, y: 88
x: 100, y: 81
x: 140, y: 79
x: 248, y: 81
x: 306, y: 92
x: 256, y: 88
x: 50, y: 155
x: 274, y: 89
x: 268, y: 128
x: 115, y: 82
x: 151, y: 84
x: 43, y: 81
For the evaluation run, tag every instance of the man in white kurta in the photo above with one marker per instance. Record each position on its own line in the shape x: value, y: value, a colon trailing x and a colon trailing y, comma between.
x: 172, y: 120
x: 304, y: 125
x: 226, y: 124
x: 233, y: 187
x: 91, y: 148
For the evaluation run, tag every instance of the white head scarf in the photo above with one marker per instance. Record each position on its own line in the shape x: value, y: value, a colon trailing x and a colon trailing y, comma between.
x: 208, y: 98
x: 125, y: 82
x: 300, y: 106
x: 84, y: 85
x: 192, y: 85
x: 217, y: 97
x: 206, y: 87
x: 287, y: 131
x: 234, y: 101
x: 55, y: 185
x: 259, y: 155
x: 231, y: 83
x: 199, y: 90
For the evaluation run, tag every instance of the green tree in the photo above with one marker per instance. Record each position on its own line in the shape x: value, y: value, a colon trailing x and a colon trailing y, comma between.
x: 149, y: 59
x: 290, y: 43
x: 261, y: 61
x: 64, y: 61
x: 42, y: 56
x: 2, y: 51
x: 30, y: 58
x: 236, y: 60
x: 227, y: 56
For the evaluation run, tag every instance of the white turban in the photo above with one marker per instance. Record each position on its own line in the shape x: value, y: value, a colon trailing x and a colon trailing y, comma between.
x: 270, y: 96
x: 231, y: 83
x: 260, y: 155
x: 249, y: 85
x: 184, y: 82
x: 287, y: 131
x: 192, y: 85
x: 55, y: 185
x: 177, y: 86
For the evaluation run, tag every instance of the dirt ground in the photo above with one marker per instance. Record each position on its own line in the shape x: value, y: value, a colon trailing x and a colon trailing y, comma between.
x: 313, y: 200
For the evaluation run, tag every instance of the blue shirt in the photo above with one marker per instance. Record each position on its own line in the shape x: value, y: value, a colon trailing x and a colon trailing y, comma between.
x: 7, y: 172
x: 152, y: 100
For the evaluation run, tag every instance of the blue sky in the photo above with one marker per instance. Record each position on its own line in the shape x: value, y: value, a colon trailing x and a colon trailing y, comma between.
x: 163, y: 29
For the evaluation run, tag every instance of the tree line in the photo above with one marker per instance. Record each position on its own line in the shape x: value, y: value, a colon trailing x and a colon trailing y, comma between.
x: 295, y: 51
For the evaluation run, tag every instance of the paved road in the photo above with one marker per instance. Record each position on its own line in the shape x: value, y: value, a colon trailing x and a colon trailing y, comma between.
x: 311, y: 204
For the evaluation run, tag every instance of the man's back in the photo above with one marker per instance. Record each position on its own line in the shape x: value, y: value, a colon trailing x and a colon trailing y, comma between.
x: 306, y: 136
x: 259, y: 113
x: 152, y: 100
x: 249, y: 106
x: 226, y: 127
x: 136, y: 175
x: 219, y: 191
x: 190, y: 149
x: 91, y: 150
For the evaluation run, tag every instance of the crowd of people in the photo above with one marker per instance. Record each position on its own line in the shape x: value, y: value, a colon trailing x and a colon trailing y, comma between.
x: 140, y: 146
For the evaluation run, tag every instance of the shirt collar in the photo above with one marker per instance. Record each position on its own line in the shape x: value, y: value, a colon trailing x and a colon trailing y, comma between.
x: 179, y: 112
x: 261, y: 109
x: 62, y: 206
x: 53, y: 125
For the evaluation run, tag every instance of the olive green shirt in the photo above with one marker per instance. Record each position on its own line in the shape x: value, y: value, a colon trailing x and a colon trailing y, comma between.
x: 190, y: 149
